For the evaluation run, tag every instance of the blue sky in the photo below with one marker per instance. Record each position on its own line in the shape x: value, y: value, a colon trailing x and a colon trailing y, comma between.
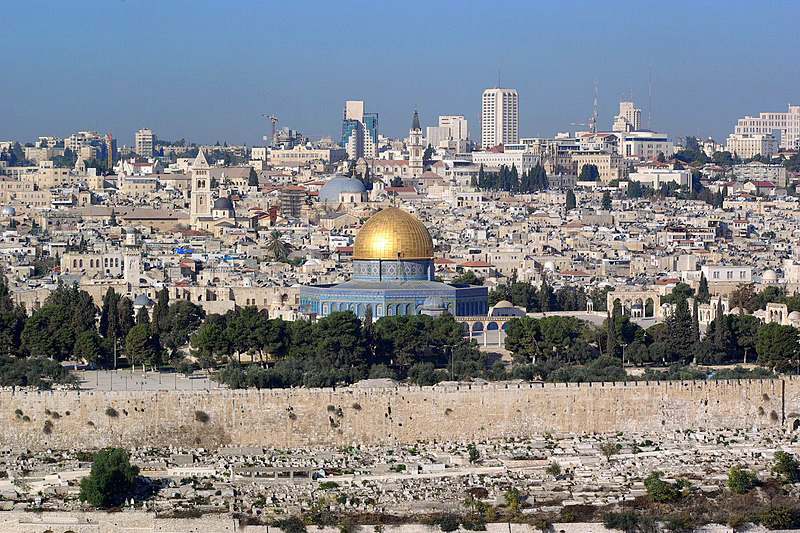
x: 207, y: 71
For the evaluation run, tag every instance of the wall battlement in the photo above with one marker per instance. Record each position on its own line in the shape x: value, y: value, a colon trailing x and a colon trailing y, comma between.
x: 460, y: 412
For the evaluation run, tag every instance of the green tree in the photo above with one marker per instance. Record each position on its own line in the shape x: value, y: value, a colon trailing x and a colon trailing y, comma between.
x: 589, y: 173
x: 276, y: 246
x: 141, y: 347
x: 776, y: 346
x: 111, y: 481
x: 90, y: 347
x: 606, y: 202
x: 571, y: 201
x: 467, y: 277
x: 786, y: 467
x: 702, y: 290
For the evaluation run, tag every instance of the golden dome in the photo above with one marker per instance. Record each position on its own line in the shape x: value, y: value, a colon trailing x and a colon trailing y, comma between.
x: 393, y: 234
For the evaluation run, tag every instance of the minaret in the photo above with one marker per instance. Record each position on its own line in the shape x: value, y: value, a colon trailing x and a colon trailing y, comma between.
x: 201, y: 189
x: 415, y: 148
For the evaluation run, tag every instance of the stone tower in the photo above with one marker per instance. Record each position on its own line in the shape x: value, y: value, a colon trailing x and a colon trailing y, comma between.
x: 201, y: 190
x: 415, y: 149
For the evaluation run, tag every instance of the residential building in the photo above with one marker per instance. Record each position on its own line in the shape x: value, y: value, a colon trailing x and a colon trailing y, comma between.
x: 655, y: 177
x: 788, y: 124
x: 499, y: 117
x: 747, y: 145
x: 145, y: 142
x: 757, y: 171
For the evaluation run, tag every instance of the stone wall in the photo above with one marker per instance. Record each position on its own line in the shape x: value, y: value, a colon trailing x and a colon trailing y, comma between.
x: 317, y: 417
x: 142, y: 522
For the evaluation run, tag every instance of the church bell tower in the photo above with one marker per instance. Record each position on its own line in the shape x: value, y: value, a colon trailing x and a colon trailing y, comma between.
x: 415, y: 149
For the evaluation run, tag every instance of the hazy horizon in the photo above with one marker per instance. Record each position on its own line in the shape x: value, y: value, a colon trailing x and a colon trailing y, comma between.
x: 207, y: 71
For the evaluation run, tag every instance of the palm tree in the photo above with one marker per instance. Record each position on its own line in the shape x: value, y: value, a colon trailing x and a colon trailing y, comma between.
x: 276, y: 246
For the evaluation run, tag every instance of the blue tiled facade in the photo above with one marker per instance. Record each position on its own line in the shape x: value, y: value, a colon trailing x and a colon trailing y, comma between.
x: 393, y: 288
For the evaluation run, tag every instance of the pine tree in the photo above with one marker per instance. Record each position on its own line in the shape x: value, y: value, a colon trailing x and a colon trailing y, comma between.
x: 611, y: 334
x: 702, y: 290
x: 606, y: 202
x: 571, y: 201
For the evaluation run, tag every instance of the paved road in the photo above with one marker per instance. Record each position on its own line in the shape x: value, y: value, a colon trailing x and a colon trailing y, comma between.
x: 121, y: 380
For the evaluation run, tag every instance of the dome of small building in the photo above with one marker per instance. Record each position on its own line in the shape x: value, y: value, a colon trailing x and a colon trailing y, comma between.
x: 769, y: 275
x: 637, y: 305
x: 338, y: 184
x: 503, y: 304
x: 550, y: 266
x: 143, y: 299
x: 223, y: 203
x: 393, y: 234
x: 736, y: 311
x: 8, y: 211
x: 794, y: 316
x: 433, y: 302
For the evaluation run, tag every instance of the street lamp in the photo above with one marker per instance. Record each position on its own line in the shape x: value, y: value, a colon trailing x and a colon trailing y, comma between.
x: 623, y: 344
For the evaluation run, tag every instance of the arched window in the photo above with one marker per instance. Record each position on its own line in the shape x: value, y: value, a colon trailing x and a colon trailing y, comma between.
x: 379, y: 310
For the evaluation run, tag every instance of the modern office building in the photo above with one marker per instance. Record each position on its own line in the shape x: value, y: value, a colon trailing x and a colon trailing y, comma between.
x: 787, y: 124
x: 499, y: 117
x: 359, y: 131
x: 145, y: 142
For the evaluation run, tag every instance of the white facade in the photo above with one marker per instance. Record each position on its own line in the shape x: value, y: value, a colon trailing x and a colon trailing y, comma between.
x: 747, y: 145
x: 788, y: 124
x: 145, y: 141
x: 739, y: 274
x: 655, y: 177
x: 435, y: 136
x: 499, y: 117
x: 513, y: 155
x: 645, y: 144
x: 457, y: 124
x: 629, y: 118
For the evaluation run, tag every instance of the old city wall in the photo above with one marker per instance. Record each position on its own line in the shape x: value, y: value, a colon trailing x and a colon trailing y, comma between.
x: 316, y: 417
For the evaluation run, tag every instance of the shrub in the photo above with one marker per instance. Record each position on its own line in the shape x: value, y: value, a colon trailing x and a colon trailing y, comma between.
x: 780, y: 518
x: 201, y: 417
x: 357, y: 406
x: 786, y: 467
x: 110, y: 411
x: 292, y: 524
x: 661, y: 491
x: 740, y: 480
x: 447, y: 522
x: 48, y: 427
x: 554, y: 469
x: 627, y: 520
x: 328, y: 485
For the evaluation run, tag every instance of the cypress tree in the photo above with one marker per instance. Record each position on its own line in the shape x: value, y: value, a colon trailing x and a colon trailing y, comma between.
x: 611, y: 334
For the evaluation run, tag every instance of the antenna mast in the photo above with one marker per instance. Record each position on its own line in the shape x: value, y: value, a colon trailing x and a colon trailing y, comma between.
x: 650, y: 99
x: 593, y: 120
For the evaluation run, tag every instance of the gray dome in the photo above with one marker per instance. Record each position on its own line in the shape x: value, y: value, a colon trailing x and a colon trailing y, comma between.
x: 223, y: 203
x: 8, y: 211
x: 433, y: 302
x: 337, y: 185
x: 142, y: 299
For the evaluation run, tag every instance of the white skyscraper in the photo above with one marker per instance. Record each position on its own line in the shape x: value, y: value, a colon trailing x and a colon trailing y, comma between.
x: 499, y: 117
x: 786, y: 124
x: 457, y: 125
x: 629, y: 118
x: 145, y: 142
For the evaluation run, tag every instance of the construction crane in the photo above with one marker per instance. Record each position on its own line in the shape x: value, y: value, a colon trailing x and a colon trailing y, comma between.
x: 274, y: 121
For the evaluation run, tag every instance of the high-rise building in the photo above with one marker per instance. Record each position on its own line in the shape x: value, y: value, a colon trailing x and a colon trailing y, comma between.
x: 145, y: 142
x: 457, y: 125
x: 359, y: 131
x: 788, y: 124
x: 629, y: 118
x: 499, y: 117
